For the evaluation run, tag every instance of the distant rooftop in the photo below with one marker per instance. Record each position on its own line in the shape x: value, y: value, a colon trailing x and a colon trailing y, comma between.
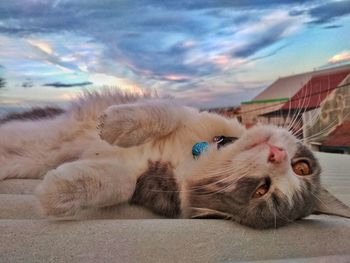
x: 287, y: 87
x: 313, y: 93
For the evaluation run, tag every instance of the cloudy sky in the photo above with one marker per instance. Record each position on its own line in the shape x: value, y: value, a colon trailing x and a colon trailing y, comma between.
x: 207, y: 53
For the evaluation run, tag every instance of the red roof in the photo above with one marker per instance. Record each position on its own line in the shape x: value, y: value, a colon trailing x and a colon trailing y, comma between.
x: 340, y: 136
x: 287, y: 87
x: 316, y: 90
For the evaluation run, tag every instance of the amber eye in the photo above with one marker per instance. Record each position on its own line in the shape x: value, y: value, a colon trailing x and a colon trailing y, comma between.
x: 262, y: 190
x: 301, y: 168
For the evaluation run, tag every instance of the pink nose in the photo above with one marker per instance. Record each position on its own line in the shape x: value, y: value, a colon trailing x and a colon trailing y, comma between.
x: 276, y: 155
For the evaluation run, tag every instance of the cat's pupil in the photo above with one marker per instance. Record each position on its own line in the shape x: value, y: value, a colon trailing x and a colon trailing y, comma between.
x: 301, y: 168
x: 223, y: 140
x: 261, y: 191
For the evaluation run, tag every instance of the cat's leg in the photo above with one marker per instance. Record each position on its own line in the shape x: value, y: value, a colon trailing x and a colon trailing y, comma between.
x: 135, y: 124
x: 84, y: 184
x: 34, y: 164
x: 29, y: 149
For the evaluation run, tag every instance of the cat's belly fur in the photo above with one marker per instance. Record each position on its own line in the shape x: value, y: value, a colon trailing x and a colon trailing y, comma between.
x: 157, y: 185
x: 157, y: 190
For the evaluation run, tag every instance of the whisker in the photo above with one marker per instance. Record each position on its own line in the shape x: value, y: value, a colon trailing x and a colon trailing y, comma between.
x: 296, y: 116
x: 243, y: 170
x: 302, y: 109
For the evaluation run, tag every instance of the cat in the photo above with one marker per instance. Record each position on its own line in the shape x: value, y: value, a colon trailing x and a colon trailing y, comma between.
x: 110, y: 148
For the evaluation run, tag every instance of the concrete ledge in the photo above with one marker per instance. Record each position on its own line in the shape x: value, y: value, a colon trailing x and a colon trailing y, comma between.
x: 18, y: 206
x: 168, y: 241
x: 24, y: 207
x: 326, y: 259
x: 18, y: 186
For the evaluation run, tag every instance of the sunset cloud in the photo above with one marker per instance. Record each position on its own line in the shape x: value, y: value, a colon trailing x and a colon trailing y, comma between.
x: 341, y: 57
x: 208, y: 48
x: 59, y: 85
x: 329, y: 11
x: 42, y: 45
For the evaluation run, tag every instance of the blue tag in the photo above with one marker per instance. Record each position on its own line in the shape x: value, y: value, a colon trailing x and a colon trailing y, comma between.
x: 198, y: 148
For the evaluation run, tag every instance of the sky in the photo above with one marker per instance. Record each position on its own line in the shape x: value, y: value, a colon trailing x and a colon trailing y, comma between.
x: 205, y: 53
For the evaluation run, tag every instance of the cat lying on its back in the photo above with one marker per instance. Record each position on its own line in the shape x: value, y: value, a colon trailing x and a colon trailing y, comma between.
x: 141, y: 152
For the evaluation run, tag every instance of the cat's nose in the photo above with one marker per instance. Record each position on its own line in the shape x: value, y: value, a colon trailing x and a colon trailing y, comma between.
x: 276, y: 155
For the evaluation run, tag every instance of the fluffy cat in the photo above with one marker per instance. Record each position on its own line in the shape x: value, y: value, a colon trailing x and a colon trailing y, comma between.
x: 140, y: 153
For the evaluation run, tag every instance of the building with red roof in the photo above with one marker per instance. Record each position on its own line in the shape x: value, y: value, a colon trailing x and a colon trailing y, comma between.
x: 313, y: 93
x: 311, y: 104
x: 297, y: 92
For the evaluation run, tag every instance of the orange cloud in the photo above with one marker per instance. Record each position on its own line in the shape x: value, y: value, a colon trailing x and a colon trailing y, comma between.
x: 100, y: 79
x: 174, y: 77
x: 341, y: 57
x: 221, y: 60
x: 42, y: 45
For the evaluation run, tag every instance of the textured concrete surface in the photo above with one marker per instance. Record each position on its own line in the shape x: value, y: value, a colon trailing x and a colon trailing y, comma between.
x: 109, y: 235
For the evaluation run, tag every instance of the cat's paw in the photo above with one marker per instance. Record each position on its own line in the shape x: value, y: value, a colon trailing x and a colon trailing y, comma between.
x: 58, y: 197
x: 123, y: 125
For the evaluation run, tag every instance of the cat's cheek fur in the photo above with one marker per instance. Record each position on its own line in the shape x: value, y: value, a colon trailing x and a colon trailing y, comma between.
x: 288, y: 185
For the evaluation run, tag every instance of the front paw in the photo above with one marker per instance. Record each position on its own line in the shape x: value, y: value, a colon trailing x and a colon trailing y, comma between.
x: 58, y: 197
x: 123, y: 125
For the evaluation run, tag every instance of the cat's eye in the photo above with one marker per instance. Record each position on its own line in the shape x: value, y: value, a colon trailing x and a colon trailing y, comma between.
x: 261, y: 191
x: 301, y: 168
x: 224, y: 140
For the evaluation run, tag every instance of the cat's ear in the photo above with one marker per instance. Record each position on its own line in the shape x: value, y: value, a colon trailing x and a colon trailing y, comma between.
x: 330, y: 205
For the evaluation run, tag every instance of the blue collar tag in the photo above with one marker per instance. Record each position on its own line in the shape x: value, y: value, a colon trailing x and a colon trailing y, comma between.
x: 198, y: 148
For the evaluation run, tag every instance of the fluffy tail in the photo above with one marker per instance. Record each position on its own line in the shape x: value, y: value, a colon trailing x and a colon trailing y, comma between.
x: 34, y: 142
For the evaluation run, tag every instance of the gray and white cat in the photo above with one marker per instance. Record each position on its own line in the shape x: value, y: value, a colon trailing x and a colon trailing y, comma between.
x: 141, y: 153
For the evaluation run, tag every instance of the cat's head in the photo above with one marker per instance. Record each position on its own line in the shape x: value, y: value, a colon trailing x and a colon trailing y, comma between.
x: 266, y: 178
